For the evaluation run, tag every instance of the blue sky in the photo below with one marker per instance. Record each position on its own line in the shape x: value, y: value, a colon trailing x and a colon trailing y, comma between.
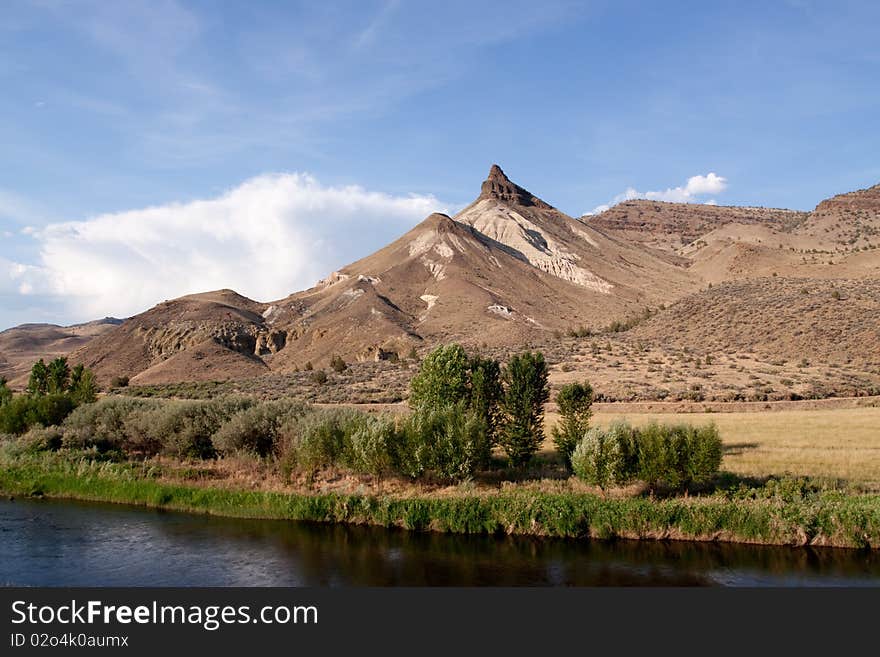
x: 155, y: 148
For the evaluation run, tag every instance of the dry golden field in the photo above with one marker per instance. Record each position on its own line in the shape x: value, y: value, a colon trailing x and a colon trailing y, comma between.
x: 836, y: 443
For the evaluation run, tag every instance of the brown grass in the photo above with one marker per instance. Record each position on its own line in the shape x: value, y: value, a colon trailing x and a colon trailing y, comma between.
x: 839, y: 443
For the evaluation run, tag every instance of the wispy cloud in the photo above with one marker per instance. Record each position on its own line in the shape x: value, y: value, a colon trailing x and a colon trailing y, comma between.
x: 268, y: 237
x: 369, y: 34
x: 693, y: 191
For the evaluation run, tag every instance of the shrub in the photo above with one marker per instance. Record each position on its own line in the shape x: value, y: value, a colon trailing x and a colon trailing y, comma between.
x: 522, y: 430
x: 319, y: 377
x: 338, y: 364
x: 660, y: 456
x: 705, y: 451
x: 318, y: 439
x: 119, y: 382
x: 105, y: 425
x: 22, y: 412
x: 256, y: 429
x: 450, y: 443
x: 185, y: 428
x: 41, y: 439
x: 575, y: 403
x: 149, y: 426
x: 597, y: 458
x: 371, y: 447
x: 670, y: 456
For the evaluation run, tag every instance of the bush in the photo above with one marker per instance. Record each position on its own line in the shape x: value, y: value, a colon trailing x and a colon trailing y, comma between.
x: 319, y: 377
x: 41, y: 439
x: 575, y: 403
x: 598, y: 459
x: 256, y: 429
x: 450, y: 443
x: 522, y: 427
x: 319, y: 439
x: 119, y: 382
x: 371, y: 447
x: 185, y: 428
x: 667, y: 456
x: 338, y: 364
x: 149, y: 426
x: 22, y: 412
x: 106, y: 424
x: 705, y: 452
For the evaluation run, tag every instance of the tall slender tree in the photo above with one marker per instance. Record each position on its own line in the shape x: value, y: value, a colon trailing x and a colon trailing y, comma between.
x: 526, y: 391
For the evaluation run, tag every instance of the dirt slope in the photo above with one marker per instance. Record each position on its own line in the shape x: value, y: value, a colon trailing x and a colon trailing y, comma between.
x: 22, y: 345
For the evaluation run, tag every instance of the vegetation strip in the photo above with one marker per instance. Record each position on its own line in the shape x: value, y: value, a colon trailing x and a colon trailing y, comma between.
x: 782, y: 517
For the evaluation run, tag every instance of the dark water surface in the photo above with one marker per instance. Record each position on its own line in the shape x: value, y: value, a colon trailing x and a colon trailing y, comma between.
x: 62, y: 543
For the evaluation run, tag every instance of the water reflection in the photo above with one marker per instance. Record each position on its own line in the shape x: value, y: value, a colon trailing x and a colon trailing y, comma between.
x: 47, y: 543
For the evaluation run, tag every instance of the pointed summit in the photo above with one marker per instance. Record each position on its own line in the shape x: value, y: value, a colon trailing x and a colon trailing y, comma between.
x: 499, y: 186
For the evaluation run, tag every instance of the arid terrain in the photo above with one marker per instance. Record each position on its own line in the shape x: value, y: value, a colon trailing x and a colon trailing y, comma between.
x: 22, y: 345
x: 647, y: 300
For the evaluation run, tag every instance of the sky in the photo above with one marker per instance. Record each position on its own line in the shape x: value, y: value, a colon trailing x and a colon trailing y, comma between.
x: 155, y: 148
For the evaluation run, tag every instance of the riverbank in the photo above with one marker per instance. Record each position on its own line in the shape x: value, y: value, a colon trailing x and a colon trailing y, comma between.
x: 779, y: 513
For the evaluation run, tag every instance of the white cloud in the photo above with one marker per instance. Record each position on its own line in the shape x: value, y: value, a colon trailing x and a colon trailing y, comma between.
x: 268, y: 237
x: 695, y: 187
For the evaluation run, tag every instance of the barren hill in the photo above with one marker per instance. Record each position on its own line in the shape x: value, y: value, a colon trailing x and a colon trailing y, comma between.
x: 511, y: 270
x: 829, y: 321
x: 671, y: 227
x: 508, y: 269
x: 228, y: 320
x: 22, y: 345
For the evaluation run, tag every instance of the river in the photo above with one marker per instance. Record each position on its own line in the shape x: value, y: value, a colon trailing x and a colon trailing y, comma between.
x: 64, y: 543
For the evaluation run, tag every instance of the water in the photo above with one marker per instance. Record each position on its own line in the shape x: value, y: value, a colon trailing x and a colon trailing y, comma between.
x: 55, y: 543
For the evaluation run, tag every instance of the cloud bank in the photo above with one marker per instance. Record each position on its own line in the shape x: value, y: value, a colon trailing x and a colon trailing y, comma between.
x: 690, y: 192
x: 268, y: 237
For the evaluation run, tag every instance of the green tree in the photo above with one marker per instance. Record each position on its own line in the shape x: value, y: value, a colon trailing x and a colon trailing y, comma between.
x: 58, y: 376
x: 5, y: 392
x: 485, y: 393
x: 575, y: 402
x: 526, y: 391
x: 83, y: 386
x: 442, y: 379
x: 38, y: 384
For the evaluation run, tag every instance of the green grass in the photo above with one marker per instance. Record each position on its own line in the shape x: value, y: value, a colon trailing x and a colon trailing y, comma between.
x: 784, y: 513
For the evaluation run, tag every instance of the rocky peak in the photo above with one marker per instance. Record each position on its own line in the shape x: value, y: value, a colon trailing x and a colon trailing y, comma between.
x: 498, y: 186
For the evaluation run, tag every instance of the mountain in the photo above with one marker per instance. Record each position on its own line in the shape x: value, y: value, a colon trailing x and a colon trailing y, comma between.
x: 181, y: 340
x: 670, y: 227
x: 507, y: 269
x: 23, y: 345
x: 826, y: 321
x: 510, y: 270
x: 840, y: 238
